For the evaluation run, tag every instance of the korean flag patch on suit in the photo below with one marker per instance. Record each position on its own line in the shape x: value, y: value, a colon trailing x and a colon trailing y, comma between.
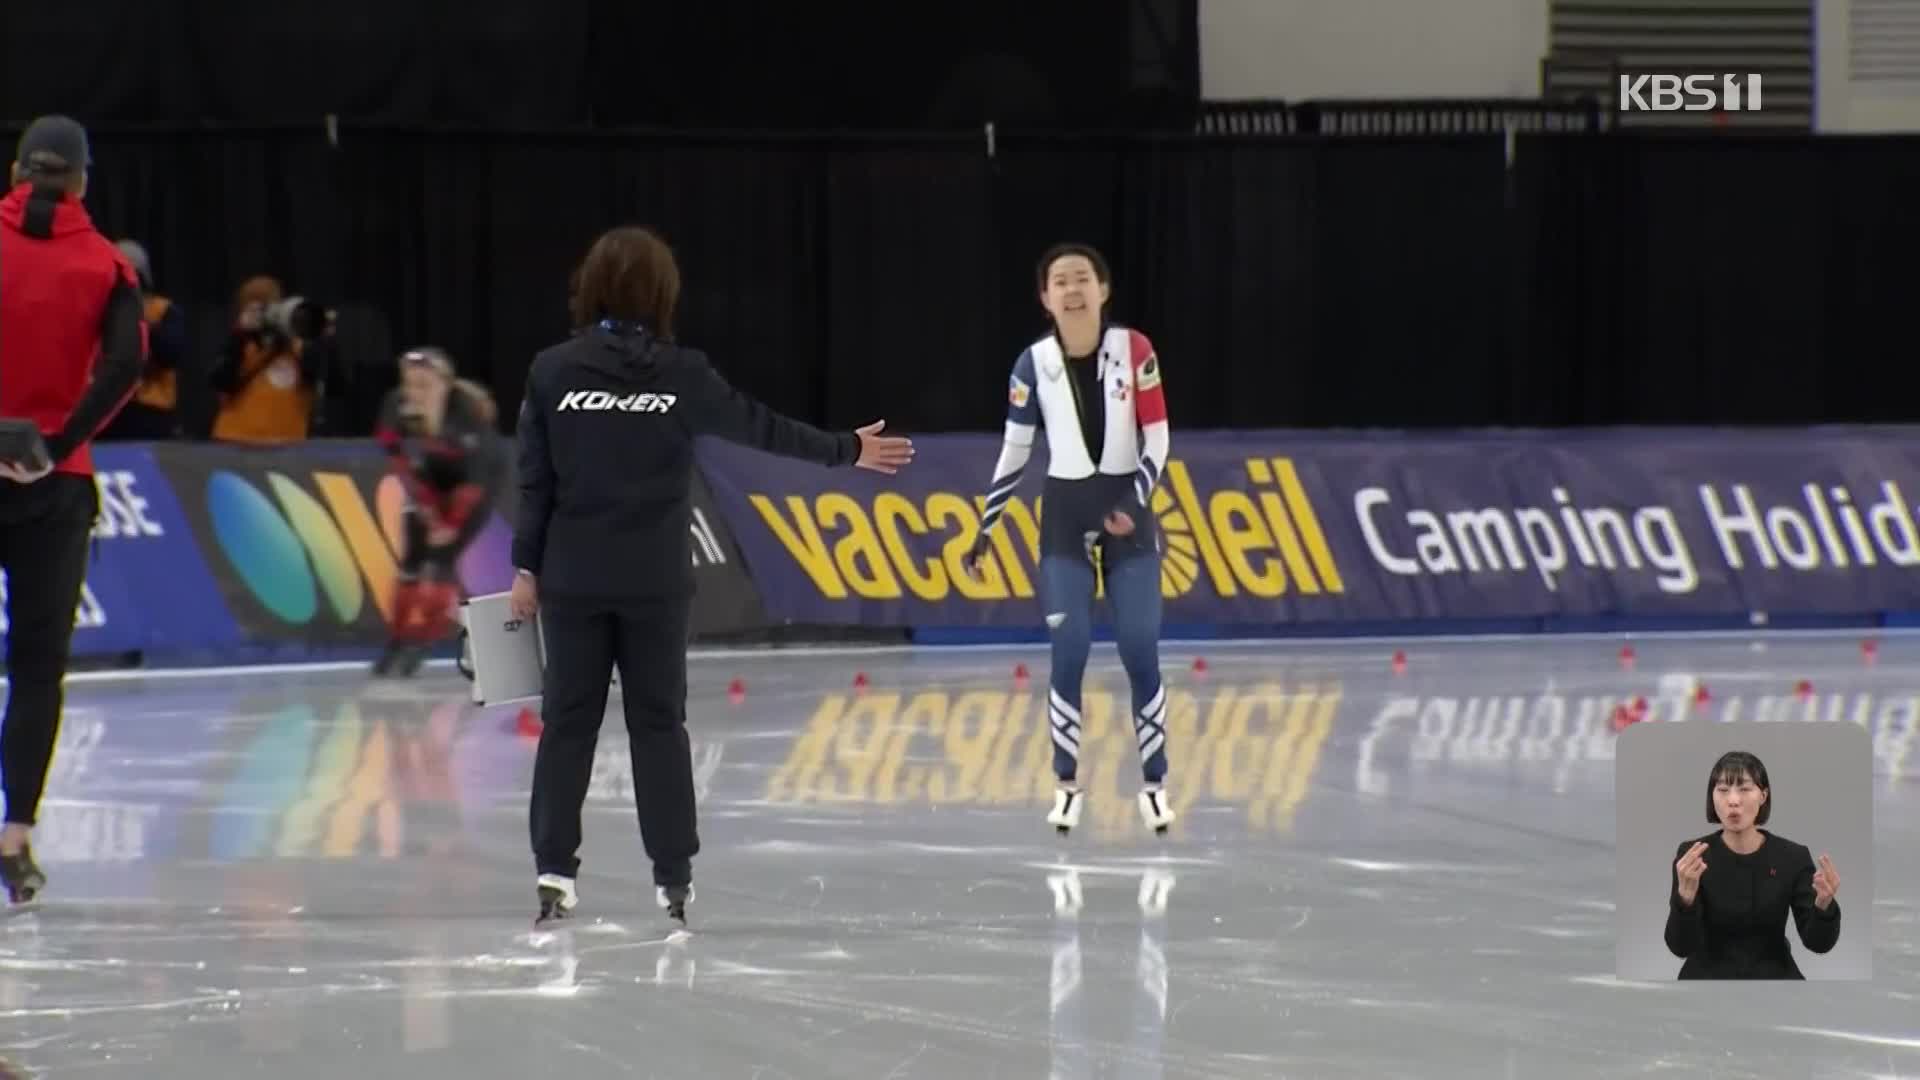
x: 1018, y: 392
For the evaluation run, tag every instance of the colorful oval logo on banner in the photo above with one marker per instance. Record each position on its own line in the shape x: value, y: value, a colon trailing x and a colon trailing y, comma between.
x: 333, y: 535
x: 289, y: 550
x: 262, y: 547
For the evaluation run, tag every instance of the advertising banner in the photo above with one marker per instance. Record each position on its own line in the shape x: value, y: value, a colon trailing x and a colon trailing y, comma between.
x: 724, y: 599
x: 104, y: 622
x: 301, y: 543
x: 1289, y: 528
x: 146, y: 585
x: 146, y: 552
x: 203, y: 548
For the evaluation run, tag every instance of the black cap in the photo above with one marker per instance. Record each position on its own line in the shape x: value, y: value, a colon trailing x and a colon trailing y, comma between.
x: 53, y: 146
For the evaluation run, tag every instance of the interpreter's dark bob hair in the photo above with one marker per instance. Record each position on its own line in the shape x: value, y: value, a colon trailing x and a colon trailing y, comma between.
x: 1734, y: 766
x: 629, y: 275
x: 1060, y: 251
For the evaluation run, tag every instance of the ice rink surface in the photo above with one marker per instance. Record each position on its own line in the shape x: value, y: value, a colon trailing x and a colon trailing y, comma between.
x: 1373, y: 875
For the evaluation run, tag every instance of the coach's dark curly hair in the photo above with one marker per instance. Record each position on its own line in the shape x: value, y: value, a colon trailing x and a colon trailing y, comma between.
x: 628, y: 275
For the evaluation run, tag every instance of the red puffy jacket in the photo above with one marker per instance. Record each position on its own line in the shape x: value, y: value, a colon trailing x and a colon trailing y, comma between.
x: 72, y: 340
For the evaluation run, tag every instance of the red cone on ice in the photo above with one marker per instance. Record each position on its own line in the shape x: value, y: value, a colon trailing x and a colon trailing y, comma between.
x: 1399, y: 662
x: 860, y: 680
x: 1869, y: 650
x: 1803, y: 688
x: 737, y: 691
x: 1020, y: 674
x: 1623, y: 718
x: 1700, y: 695
x: 1627, y: 656
x: 1199, y: 665
x: 528, y: 723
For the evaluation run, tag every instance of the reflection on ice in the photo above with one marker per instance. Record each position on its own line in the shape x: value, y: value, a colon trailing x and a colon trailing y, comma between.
x: 1077, y: 1037
x: 1254, y: 745
x: 289, y: 870
x: 1562, y: 731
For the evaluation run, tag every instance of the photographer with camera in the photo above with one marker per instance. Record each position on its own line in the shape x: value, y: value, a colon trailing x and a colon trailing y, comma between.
x: 71, y: 348
x: 438, y: 431
x: 154, y: 412
x: 269, y: 375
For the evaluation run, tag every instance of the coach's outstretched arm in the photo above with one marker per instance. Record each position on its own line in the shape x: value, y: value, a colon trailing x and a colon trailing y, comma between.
x: 720, y: 410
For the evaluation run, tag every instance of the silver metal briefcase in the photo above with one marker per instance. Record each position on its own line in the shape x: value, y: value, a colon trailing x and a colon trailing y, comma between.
x: 508, y: 656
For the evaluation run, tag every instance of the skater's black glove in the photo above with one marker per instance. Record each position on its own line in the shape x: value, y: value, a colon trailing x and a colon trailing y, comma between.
x: 977, y: 554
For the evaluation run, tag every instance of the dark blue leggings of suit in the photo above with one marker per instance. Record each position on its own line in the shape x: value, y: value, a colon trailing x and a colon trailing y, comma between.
x: 1133, y: 592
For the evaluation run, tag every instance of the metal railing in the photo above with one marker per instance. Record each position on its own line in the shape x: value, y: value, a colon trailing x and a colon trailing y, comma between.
x: 1405, y: 116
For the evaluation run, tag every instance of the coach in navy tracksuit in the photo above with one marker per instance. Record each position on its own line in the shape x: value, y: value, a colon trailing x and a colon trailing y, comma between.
x: 602, y: 546
x: 72, y: 344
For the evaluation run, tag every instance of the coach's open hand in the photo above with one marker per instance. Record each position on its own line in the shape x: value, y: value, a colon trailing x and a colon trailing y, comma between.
x: 882, y: 453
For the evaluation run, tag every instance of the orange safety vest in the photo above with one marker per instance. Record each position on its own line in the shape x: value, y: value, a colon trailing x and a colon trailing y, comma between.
x: 159, y: 388
x: 272, y: 405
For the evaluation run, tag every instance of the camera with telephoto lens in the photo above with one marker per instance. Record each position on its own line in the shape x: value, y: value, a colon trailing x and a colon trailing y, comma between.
x: 294, y: 319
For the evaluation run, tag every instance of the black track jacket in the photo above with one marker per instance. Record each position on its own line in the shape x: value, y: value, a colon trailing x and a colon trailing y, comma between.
x: 606, y: 461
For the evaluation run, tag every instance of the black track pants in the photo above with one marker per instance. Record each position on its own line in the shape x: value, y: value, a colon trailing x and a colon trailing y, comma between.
x: 648, y: 641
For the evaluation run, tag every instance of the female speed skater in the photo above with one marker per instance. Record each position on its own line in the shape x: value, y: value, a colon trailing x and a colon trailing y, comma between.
x: 438, y: 431
x: 1094, y: 387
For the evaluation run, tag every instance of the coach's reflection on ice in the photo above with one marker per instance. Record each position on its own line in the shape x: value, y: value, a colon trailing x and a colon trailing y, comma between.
x: 1250, y: 744
x: 1082, y: 1031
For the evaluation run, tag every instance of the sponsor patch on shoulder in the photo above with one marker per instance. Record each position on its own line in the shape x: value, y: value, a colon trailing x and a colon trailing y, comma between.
x: 1150, y: 372
x: 1019, y: 393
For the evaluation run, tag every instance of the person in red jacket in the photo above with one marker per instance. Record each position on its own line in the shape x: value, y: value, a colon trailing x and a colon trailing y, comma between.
x: 72, y: 344
x: 438, y: 431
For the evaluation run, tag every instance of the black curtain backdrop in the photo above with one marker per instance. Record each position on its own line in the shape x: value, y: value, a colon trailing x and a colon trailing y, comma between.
x: 1766, y: 281
x: 560, y: 64
x: 1299, y: 282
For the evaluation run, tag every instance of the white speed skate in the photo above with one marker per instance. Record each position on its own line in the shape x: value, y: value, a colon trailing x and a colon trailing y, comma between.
x: 1155, y: 809
x: 1067, y: 802
x: 673, y: 899
x: 557, y: 898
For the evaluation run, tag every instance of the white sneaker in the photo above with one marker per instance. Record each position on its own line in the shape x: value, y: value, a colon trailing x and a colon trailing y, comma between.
x: 1066, y: 809
x: 1155, y: 809
x: 674, y: 899
x: 557, y: 897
